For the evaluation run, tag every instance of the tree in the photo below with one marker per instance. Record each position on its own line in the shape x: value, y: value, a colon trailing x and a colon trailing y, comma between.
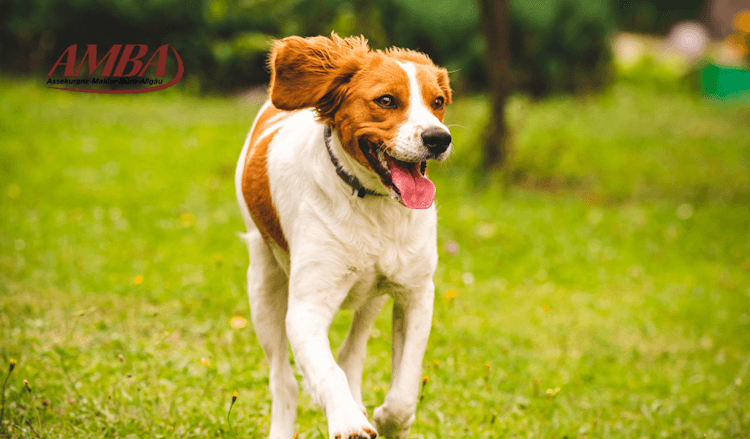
x: 496, y: 29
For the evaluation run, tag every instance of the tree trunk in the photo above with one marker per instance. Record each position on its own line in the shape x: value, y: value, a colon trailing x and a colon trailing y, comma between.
x: 496, y: 29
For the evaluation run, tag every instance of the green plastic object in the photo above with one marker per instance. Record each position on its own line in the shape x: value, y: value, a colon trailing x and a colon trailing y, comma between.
x: 726, y: 83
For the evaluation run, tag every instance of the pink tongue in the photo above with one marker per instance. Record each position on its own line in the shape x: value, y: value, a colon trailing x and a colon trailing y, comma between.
x: 417, y: 192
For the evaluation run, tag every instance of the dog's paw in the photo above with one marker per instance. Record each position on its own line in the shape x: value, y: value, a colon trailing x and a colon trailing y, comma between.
x: 392, y: 424
x: 351, y: 424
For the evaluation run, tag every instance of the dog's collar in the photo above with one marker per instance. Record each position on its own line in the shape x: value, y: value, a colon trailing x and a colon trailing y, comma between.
x: 349, y: 179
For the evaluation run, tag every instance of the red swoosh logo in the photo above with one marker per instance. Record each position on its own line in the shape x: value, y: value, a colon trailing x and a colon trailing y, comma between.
x: 180, y: 71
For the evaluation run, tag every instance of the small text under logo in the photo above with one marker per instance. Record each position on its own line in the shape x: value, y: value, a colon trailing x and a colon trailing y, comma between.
x: 121, y: 66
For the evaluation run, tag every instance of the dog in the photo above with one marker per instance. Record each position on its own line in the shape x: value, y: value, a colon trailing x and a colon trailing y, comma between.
x: 340, y: 213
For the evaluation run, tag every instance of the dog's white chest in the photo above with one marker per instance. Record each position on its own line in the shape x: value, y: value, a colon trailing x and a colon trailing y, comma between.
x: 400, y: 260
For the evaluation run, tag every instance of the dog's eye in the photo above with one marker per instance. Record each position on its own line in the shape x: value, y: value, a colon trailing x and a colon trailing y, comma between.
x: 386, y: 101
x: 439, y: 102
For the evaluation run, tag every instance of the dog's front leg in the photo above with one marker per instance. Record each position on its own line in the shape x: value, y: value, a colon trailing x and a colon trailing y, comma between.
x: 412, y: 319
x: 316, y: 292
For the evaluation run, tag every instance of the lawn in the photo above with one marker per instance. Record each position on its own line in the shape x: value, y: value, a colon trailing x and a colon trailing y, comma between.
x: 598, y: 288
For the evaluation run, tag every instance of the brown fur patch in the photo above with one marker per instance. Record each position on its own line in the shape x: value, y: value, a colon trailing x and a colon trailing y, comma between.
x: 313, y: 72
x: 360, y: 117
x: 255, y: 185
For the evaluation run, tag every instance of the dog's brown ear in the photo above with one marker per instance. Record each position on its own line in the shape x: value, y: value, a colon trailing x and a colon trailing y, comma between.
x: 314, y: 72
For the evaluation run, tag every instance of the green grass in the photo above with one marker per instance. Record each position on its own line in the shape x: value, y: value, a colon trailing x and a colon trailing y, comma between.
x: 614, y: 267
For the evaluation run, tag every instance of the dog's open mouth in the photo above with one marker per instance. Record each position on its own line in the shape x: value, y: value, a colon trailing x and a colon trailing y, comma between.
x: 406, y: 180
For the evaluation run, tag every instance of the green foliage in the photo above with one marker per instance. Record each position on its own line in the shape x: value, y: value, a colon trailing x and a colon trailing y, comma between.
x: 447, y: 31
x: 561, y: 46
x: 557, y: 46
x: 606, y: 273
x: 218, y: 51
x: 651, y: 17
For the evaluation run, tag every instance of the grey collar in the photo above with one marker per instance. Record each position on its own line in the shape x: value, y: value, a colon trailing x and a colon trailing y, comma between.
x: 349, y: 179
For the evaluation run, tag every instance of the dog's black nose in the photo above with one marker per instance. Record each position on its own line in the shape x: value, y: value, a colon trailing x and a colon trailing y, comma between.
x: 436, y: 140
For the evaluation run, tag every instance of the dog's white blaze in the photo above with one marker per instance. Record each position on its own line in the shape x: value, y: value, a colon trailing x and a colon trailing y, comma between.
x: 408, y: 145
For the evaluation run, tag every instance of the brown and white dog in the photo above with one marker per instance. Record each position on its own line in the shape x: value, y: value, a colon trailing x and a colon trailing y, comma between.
x: 339, y: 211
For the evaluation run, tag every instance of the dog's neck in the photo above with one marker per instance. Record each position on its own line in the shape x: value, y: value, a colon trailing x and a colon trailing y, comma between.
x: 349, y: 179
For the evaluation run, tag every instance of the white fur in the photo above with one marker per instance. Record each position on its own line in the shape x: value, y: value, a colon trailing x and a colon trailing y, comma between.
x: 408, y: 145
x: 344, y: 251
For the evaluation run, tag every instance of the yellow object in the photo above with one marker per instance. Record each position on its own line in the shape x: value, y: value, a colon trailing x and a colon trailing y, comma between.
x: 187, y: 219
x: 742, y: 21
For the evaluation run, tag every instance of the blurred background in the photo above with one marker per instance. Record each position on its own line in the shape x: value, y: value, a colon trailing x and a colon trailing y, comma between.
x: 555, y: 46
x: 536, y: 48
x: 594, y: 221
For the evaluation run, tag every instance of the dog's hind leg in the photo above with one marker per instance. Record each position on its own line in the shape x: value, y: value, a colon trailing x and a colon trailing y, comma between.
x: 352, y: 353
x: 267, y: 290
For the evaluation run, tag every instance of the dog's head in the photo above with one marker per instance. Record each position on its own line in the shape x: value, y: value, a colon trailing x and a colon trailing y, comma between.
x: 387, y: 106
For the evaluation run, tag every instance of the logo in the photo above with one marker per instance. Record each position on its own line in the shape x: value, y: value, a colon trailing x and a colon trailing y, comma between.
x: 129, y: 71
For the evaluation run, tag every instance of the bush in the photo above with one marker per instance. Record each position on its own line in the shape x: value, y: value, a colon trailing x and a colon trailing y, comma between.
x: 561, y: 45
x: 646, y: 16
x: 556, y: 46
x: 35, y: 33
